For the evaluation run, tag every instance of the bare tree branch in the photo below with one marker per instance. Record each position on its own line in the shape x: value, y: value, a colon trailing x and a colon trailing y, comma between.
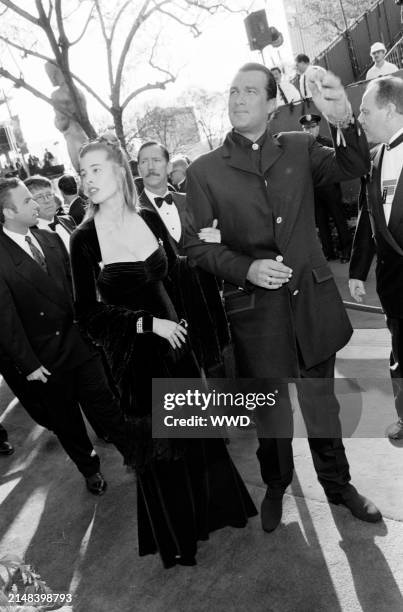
x: 108, y: 44
x: 20, y: 82
x: 17, y: 9
x: 50, y: 10
x: 214, y: 7
x: 74, y: 42
x: 51, y: 60
x: 192, y: 26
x: 117, y: 18
x: 63, y: 40
x: 148, y: 87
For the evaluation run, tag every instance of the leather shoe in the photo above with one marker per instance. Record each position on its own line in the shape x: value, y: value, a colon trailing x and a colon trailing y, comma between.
x: 395, y: 431
x: 359, y: 506
x: 271, y: 511
x: 6, y: 448
x: 96, y: 484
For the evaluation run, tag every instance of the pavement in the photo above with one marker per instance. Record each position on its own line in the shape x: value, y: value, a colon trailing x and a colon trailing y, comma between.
x: 320, y: 559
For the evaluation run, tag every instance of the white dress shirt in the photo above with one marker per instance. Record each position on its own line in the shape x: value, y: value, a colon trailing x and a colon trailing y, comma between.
x: 20, y: 240
x: 168, y: 213
x: 304, y: 87
x: 291, y: 93
x: 392, y: 165
x: 375, y: 72
x: 63, y: 233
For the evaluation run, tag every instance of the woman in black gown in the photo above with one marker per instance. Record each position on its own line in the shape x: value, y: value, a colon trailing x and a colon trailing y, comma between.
x: 121, y: 261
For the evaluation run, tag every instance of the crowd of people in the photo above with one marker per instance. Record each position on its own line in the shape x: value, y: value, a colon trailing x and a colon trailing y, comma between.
x: 159, y: 275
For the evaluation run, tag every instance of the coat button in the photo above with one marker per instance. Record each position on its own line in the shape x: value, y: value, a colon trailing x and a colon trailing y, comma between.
x: 279, y: 258
x: 42, y: 314
x: 255, y: 146
x: 295, y: 292
x: 279, y: 219
x: 57, y: 333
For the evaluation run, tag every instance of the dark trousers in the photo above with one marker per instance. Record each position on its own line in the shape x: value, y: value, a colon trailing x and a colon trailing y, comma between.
x: 328, y: 203
x: 60, y: 400
x: 328, y: 454
x: 395, y: 327
x: 3, y: 434
x: 23, y: 390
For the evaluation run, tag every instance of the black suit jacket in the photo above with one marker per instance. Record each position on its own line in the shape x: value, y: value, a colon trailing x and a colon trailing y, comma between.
x: 265, y: 214
x: 372, y: 236
x: 77, y: 210
x: 36, y: 318
x: 185, y: 215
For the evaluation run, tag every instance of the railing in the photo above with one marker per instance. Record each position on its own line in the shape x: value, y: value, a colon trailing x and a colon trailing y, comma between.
x: 395, y: 55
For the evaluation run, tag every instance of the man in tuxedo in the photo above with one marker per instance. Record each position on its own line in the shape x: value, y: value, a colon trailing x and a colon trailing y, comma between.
x: 5, y: 447
x: 43, y: 193
x: 328, y: 201
x: 39, y: 337
x: 279, y: 291
x: 379, y: 229
x: 197, y: 294
x: 69, y: 189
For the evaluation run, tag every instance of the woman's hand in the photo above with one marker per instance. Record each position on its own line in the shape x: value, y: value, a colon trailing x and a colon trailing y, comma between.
x: 175, y: 333
x: 210, y: 234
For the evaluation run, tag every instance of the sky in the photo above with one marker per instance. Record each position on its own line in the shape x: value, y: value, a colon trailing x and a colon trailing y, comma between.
x: 208, y: 61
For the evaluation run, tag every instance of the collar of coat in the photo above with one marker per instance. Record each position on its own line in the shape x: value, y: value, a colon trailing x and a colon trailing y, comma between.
x: 238, y: 156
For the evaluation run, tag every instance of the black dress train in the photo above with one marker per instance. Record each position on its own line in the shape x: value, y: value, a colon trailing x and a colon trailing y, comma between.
x: 185, y: 488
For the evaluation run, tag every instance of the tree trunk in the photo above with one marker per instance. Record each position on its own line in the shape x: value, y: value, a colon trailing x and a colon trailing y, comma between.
x: 117, y: 114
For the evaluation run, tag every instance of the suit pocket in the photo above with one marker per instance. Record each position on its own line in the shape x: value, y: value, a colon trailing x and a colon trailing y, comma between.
x: 239, y: 301
x: 322, y: 274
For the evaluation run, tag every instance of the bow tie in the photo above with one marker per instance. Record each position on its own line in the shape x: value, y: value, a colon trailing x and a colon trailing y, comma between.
x: 167, y: 198
x: 395, y: 143
x: 52, y: 225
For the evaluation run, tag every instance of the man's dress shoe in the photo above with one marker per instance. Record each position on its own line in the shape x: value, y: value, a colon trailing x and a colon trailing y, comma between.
x: 6, y: 448
x: 395, y: 431
x: 359, y: 506
x: 271, y: 511
x: 96, y: 484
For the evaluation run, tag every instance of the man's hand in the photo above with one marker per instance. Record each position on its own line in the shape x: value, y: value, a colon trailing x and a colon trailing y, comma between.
x: 269, y: 273
x: 357, y: 289
x: 328, y: 94
x: 40, y: 374
x: 210, y: 234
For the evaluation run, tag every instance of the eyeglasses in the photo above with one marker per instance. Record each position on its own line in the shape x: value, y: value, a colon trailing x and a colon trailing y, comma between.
x: 43, y: 197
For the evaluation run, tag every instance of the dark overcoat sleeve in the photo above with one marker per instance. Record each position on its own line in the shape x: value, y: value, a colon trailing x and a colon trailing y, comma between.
x: 341, y: 163
x: 218, y: 259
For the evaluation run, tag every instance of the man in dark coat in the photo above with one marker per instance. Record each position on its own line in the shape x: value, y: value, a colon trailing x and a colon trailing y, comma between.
x: 39, y: 337
x: 279, y: 291
x: 69, y: 189
x: 379, y: 228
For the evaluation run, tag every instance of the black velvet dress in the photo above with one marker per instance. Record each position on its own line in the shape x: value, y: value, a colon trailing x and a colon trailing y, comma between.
x: 186, y: 488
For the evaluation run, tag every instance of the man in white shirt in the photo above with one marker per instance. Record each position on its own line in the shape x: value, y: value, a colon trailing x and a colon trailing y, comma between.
x: 286, y: 92
x: 154, y: 167
x: 380, y: 228
x: 302, y: 63
x: 43, y: 193
x: 381, y: 67
x: 39, y: 337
